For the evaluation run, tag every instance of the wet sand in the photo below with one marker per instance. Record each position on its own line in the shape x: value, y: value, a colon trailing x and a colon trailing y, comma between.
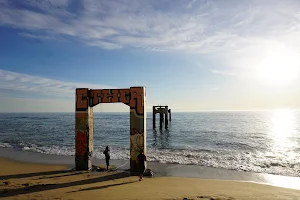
x: 20, y: 180
x: 160, y: 169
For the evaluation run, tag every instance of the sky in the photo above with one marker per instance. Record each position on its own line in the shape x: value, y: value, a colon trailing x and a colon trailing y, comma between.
x: 192, y: 55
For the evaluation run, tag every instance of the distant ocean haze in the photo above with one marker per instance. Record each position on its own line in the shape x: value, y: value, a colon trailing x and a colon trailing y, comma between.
x: 267, y: 142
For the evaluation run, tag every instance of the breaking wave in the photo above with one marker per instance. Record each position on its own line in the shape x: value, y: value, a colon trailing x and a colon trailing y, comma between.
x: 252, y: 162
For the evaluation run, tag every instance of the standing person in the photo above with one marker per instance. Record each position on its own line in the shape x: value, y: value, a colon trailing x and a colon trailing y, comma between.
x: 107, y: 157
x: 141, y: 158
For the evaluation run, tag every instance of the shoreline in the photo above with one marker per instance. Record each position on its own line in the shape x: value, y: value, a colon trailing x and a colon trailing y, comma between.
x: 20, y: 180
x: 159, y: 169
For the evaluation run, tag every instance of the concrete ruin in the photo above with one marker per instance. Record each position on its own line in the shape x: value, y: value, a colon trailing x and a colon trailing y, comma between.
x: 86, y: 99
x: 164, y: 112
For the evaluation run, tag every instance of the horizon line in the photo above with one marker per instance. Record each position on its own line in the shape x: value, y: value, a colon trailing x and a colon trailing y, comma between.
x: 187, y: 111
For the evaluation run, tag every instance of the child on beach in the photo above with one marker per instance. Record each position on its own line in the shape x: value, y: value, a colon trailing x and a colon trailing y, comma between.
x: 107, y: 157
x: 141, y: 158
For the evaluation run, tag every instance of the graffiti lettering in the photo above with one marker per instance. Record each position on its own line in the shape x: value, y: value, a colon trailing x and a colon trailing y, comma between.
x: 81, y: 98
x: 134, y: 97
x: 81, y: 143
x: 109, y: 96
x: 124, y: 96
x: 112, y: 97
x: 137, y: 100
x: 96, y: 94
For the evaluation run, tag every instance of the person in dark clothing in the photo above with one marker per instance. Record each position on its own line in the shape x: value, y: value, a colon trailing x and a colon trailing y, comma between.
x: 141, y: 159
x: 107, y: 157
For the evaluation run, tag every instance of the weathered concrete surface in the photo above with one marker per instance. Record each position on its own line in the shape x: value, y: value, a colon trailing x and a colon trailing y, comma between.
x: 164, y: 115
x: 84, y: 131
x: 86, y: 99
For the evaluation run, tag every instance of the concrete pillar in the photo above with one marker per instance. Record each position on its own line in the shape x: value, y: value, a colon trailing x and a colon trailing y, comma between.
x: 137, y: 127
x: 153, y: 117
x: 161, y: 117
x: 135, y: 97
x: 84, y: 130
x: 166, y: 117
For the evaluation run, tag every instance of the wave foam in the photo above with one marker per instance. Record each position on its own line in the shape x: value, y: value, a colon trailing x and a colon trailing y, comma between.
x: 242, y: 161
x: 5, y: 145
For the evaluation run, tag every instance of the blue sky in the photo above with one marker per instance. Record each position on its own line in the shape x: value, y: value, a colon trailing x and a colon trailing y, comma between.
x: 192, y: 55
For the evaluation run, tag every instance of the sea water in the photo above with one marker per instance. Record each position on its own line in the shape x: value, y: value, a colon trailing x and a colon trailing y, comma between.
x: 260, y: 141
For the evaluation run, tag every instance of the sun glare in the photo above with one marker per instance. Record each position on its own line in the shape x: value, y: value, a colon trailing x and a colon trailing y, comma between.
x: 280, y: 67
x: 282, y: 129
x: 283, y: 123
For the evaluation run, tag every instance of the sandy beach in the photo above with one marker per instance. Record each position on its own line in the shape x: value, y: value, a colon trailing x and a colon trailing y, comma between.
x: 20, y: 180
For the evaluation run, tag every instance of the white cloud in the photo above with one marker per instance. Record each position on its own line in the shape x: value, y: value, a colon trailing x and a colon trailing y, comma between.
x: 195, y: 26
x: 41, y: 37
x: 236, y: 34
x: 51, y: 95
x: 105, y: 45
x: 26, y: 93
x: 42, y: 86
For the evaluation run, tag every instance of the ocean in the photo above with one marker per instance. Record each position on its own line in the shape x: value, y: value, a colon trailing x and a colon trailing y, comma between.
x: 260, y: 141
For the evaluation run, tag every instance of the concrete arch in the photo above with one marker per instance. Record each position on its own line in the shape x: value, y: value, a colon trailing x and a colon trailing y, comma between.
x: 86, y: 99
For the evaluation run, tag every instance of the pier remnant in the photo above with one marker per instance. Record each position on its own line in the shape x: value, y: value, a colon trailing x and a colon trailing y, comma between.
x: 164, y: 115
x: 86, y: 99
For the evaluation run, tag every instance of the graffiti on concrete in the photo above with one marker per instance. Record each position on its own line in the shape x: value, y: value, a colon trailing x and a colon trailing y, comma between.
x: 137, y: 100
x: 136, y: 143
x: 132, y: 97
x: 81, y: 143
x: 81, y: 99
x: 88, y: 98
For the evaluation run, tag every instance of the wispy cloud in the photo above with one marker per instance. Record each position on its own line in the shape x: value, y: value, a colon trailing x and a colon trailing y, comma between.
x: 41, y: 37
x: 235, y: 33
x: 105, y: 45
x: 11, y: 81
x: 26, y: 93
x: 195, y: 26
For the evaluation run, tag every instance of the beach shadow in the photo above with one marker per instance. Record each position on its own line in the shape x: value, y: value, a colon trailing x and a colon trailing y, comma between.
x: 215, y: 198
x: 45, y: 187
x: 103, y: 187
x: 34, y: 174
x: 64, y: 175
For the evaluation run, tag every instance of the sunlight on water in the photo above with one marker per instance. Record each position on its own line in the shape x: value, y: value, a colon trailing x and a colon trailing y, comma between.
x: 282, y: 130
x: 283, y: 181
x: 283, y: 122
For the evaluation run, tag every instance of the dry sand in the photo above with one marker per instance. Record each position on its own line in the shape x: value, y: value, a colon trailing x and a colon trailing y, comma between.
x: 37, y: 181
